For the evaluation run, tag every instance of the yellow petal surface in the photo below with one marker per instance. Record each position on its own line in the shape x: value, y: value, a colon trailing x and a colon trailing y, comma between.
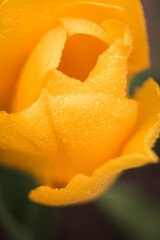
x: 71, y: 133
x: 28, y: 139
x: 57, y: 83
x: 78, y: 128
x: 148, y: 126
x: 130, y: 12
x: 92, y: 129
x: 108, y: 76
x: 75, y: 127
x: 86, y: 41
x: 22, y: 25
x: 110, y: 72
x: 38, y: 17
x: 47, y: 55
x: 83, y: 26
x: 82, y: 188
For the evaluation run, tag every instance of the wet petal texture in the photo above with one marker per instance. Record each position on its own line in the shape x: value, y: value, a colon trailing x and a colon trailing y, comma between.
x: 74, y: 126
x: 23, y: 23
x: 137, y: 152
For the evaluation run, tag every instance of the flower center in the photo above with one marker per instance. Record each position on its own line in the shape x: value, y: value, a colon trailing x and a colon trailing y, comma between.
x: 80, y: 55
x: 71, y: 48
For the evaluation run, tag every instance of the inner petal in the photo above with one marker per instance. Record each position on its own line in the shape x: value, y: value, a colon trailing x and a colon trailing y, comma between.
x: 80, y: 55
x: 83, y: 50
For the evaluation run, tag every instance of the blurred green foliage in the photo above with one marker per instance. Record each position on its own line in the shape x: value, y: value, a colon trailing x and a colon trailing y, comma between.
x: 131, y: 212
x: 20, y: 218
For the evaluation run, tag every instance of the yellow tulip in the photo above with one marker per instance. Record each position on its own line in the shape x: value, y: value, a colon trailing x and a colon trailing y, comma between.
x: 71, y: 124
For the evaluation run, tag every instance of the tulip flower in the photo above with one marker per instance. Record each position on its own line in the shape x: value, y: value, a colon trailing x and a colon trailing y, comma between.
x: 70, y: 123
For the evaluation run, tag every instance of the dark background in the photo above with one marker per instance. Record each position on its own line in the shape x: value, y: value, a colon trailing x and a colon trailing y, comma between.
x: 129, y: 211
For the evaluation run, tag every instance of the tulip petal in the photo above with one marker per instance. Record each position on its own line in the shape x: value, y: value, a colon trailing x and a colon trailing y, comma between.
x: 45, y: 57
x: 68, y: 133
x: 148, y: 126
x: 130, y: 12
x: 115, y: 30
x: 50, y: 133
x: 58, y: 83
x: 138, y: 152
x: 86, y: 41
x: 39, y: 17
x: 83, y: 26
x: 27, y: 139
x: 110, y: 73
x: 82, y: 188
x: 92, y: 129
x: 22, y: 25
